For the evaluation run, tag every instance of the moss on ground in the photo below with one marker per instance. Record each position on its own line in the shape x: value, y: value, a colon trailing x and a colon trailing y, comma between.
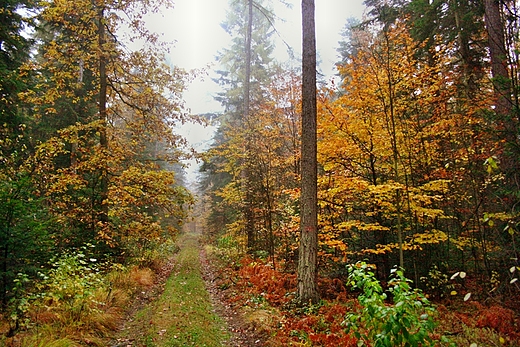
x: 183, y: 315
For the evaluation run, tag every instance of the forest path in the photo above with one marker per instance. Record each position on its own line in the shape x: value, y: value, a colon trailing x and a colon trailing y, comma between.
x: 180, y: 312
x: 185, y: 308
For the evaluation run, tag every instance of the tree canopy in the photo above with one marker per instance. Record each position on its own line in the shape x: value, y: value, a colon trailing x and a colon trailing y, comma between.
x: 405, y: 164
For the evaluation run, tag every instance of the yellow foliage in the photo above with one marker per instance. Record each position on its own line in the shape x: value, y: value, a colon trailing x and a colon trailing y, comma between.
x: 431, y: 237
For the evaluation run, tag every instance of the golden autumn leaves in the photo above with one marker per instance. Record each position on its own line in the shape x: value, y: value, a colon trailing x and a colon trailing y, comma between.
x: 397, y: 141
x: 106, y: 174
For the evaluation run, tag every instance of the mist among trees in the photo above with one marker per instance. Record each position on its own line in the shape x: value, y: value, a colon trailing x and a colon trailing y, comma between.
x: 413, y: 171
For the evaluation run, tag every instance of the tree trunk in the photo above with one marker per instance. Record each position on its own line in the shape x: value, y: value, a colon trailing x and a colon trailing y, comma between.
x: 507, y: 119
x: 468, y: 67
x: 308, y: 250
x: 249, y: 216
x: 392, y: 128
x: 498, y: 54
x: 247, y: 82
x: 102, y: 109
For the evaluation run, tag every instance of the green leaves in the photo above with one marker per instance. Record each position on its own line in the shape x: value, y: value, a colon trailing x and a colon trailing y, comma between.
x: 491, y: 164
x: 408, y: 322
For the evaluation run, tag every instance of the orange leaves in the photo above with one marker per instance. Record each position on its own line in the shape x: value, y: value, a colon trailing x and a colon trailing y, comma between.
x: 323, y: 328
x: 429, y: 237
x: 260, y: 159
x: 358, y: 225
x: 262, y: 279
x: 107, y: 172
x: 384, y: 145
x: 138, y: 187
x: 329, y: 239
x: 353, y: 207
x: 318, y: 326
x: 140, y: 196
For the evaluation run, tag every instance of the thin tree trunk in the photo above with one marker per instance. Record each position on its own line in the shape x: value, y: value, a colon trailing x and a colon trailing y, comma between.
x: 250, y: 223
x: 5, y: 261
x: 249, y: 35
x: 102, y: 109
x: 395, y: 150
x: 308, y: 250
x: 74, y: 145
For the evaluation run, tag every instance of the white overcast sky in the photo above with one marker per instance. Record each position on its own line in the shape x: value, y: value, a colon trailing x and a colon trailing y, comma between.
x: 194, y: 25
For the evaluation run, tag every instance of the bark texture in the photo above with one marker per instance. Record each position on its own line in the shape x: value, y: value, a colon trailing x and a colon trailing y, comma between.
x: 308, y: 250
x: 498, y: 54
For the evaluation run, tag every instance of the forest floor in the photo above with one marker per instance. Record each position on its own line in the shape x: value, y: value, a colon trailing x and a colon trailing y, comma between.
x: 185, y: 307
x: 204, y: 297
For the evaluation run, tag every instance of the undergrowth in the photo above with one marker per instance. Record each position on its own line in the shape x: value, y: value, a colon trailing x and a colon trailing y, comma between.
x: 79, y: 301
x: 407, y: 322
x: 374, y: 315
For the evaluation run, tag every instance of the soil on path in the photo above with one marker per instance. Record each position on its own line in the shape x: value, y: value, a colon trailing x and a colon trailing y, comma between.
x: 242, y: 333
x: 185, y: 307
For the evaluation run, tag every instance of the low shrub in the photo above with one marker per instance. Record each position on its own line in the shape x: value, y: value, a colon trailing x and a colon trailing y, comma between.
x: 78, y: 301
x: 408, y: 322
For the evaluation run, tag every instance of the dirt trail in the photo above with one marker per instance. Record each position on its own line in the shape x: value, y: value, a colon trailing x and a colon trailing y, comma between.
x: 185, y: 307
x: 242, y: 334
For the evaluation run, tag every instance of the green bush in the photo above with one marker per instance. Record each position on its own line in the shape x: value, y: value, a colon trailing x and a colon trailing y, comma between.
x: 408, y: 322
x: 438, y: 283
x: 71, y: 283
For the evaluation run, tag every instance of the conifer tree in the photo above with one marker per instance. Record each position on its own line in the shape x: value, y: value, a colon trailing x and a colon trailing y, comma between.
x: 24, y: 241
x: 14, y: 52
x: 245, y: 75
x: 308, y: 250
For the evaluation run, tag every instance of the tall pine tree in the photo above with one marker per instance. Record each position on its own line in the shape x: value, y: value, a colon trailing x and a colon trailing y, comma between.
x: 245, y: 74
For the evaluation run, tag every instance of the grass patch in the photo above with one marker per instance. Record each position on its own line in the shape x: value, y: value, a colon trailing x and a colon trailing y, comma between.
x: 183, y: 314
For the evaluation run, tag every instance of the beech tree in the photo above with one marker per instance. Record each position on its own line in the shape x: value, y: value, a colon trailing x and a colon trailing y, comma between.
x: 274, y: 169
x: 415, y: 166
x: 362, y: 166
x: 98, y: 166
x: 452, y: 148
